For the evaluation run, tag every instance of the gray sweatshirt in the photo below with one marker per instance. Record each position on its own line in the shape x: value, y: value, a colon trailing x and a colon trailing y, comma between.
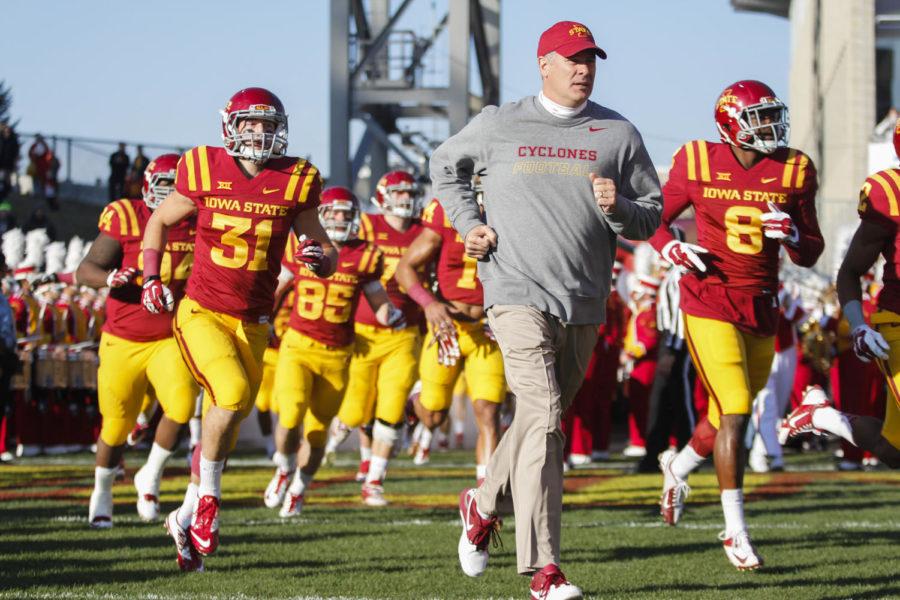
x: 555, y: 247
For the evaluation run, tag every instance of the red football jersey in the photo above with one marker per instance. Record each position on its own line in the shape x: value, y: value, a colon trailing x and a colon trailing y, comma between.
x: 323, y: 307
x: 457, y: 273
x: 393, y: 243
x: 741, y: 282
x: 878, y: 204
x: 242, y: 227
x: 124, y: 221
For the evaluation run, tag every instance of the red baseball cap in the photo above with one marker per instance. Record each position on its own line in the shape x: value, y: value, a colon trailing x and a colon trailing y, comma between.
x: 568, y: 38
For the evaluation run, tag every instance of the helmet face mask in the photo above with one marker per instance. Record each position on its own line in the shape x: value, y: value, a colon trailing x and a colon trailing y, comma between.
x: 750, y: 116
x: 337, y: 201
x: 397, y: 194
x: 240, y: 136
x: 159, y: 180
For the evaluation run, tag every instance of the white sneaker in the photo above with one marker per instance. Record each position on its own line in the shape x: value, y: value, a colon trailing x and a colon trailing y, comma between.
x: 740, y: 551
x: 422, y: 457
x: 579, y: 460
x: 758, y: 462
x: 292, y: 506
x: 147, y: 496
x: 477, y: 534
x: 276, y: 489
x: 100, y: 510
x: 550, y: 584
x: 675, y: 490
x: 373, y: 494
x: 632, y: 451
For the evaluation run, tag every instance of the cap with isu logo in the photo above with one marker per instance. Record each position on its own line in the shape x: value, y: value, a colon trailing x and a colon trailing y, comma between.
x: 568, y: 38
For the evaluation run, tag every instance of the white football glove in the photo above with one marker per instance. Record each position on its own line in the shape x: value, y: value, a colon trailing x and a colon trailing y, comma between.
x: 778, y: 225
x: 684, y: 255
x: 156, y: 297
x: 868, y: 344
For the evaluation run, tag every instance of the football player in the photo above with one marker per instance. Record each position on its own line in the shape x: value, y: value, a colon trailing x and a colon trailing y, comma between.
x: 878, y: 234
x: 752, y: 198
x: 459, y: 335
x: 265, y: 408
x: 137, y: 349
x: 247, y: 196
x: 383, y: 367
x: 314, y: 357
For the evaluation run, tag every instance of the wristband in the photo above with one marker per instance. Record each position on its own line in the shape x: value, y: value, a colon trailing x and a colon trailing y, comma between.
x: 420, y: 295
x: 152, y: 258
x: 66, y: 278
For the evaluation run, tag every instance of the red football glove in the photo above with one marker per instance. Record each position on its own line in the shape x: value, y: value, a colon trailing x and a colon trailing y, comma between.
x: 310, y: 253
x: 868, y: 344
x: 684, y: 255
x: 121, y: 277
x: 156, y: 297
x: 778, y: 225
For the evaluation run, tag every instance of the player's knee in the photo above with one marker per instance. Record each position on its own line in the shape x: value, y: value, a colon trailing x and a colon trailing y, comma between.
x: 351, y: 414
x: 384, y: 432
x: 114, y: 431
x: 435, y: 397
x: 232, y: 392
x: 317, y: 438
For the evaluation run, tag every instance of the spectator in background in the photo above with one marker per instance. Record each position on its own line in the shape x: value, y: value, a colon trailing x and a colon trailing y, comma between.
x: 9, y: 158
x: 9, y: 360
x: 7, y: 218
x: 37, y: 166
x: 51, y: 182
x: 119, y: 162
x: 135, y: 177
x: 39, y: 220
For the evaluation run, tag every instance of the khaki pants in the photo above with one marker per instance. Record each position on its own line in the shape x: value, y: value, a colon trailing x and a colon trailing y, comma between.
x: 545, y: 362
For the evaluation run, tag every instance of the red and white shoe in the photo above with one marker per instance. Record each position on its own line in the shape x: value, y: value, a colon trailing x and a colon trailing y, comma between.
x: 205, y: 525
x: 373, y: 494
x: 277, y: 488
x: 147, y: 495
x: 550, y: 584
x: 800, y: 420
x: 422, y: 457
x: 675, y: 490
x: 187, y: 557
x: 100, y: 510
x: 740, y: 551
x: 363, y: 471
x: 292, y: 506
x: 477, y: 534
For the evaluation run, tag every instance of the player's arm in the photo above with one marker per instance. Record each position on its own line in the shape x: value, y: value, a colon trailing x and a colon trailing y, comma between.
x: 285, y: 280
x: 100, y: 268
x: 867, y: 243
x: 314, y: 249
x: 385, y: 312
x: 419, y: 253
x: 810, y: 243
x: 156, y: 297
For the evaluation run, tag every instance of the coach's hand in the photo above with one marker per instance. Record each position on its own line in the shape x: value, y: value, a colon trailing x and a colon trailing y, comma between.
x: 604, y: 193
x: 156, y: 297
x: 480, y: 240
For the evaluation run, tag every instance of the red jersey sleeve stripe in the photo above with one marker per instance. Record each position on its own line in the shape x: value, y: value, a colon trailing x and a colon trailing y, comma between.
x: 294, y: 178
x: 123, y: 224
x: 889, y: 192
x: 132, y: 218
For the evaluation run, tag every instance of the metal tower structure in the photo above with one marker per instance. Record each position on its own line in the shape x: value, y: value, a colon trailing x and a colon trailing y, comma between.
x: 379, y: 73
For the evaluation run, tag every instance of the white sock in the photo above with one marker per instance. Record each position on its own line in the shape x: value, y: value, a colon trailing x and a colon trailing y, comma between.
x: 156, y: 462
x: 365, y: 453
x: 417, y: 432
x: 833, y: 421
x: 339, y: 433
x: 300, y: 483
x: 211, y: 477
x: 377, y: 469
x: 425, y: 439
x: 686, y: 461
x: 194, y: 427
x: 186, y: 510
x: 480, y: 471
x: 733, y: 507
x: 286, y: 463
x: 103, y: 479
x: 459, y: 426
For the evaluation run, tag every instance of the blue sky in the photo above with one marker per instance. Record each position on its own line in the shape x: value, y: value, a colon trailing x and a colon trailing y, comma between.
x: 159, y: 71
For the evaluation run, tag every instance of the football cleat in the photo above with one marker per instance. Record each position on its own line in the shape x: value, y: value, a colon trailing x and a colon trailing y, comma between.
x: 579, y: 460
x: 363, y: 471
x: 800, y: 420
x: 276, y: 489
x: 147, y: 496
x: 205, y: 525
x: 740, y: 551
x: 550, y: 584
x: 187, y: 557
x: 138, y: 434
x: 100, y: 510
x: 292, y: 506
x: 675, y: 490
x: 373, y: 494
x: 477, y: 534
x: 422, y: 457
x: 633, y: 451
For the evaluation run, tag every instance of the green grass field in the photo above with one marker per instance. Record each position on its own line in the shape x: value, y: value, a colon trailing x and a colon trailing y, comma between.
x: 823, y: 535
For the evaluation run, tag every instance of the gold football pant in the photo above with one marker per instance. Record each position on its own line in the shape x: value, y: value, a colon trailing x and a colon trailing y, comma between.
x: 223, y: 353
x: 309, y: 384
x: 126, y: 369
x: 264, y: 395
x: 382, y: 372
x: 888, y: 325
x: 480, y: 360
x: 732, y: 364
